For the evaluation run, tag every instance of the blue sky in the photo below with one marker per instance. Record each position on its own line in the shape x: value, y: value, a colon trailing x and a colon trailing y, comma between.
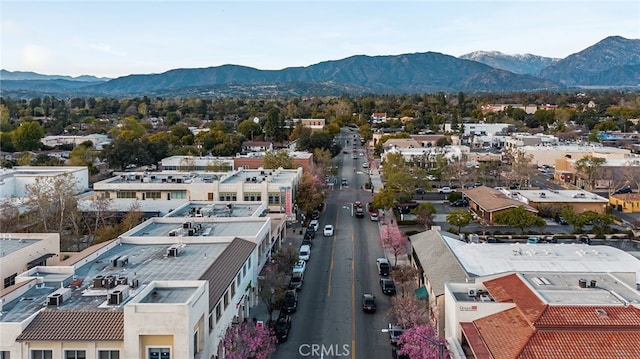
x: 117, y: 38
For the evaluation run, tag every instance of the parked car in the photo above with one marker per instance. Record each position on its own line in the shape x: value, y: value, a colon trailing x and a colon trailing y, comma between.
x: 533, y: 240
x: 387, y: 286
x: 585, y: 239
x: 459, y: 203
x: 395, y: 331
x: 315, y: 214
x: 282, y: 327
x: 328, y: 230
x: 310, y: 233
x: 419, y: 191
x: 365, y: 165
x: 304, y: 253
x: 315, y: 224
x: 445, y: 190
x: 300, y: 266
x: 623, y: 190
x: 561, y: 220
x: 296, y: 281
x: 374, y: 217
x: 306, y: 242
x: 493, y: 240
x: 368, y: 303
x: 290, y: 301
x: 384, y: 268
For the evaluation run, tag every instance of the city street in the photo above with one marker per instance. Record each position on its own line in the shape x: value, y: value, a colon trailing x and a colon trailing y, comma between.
x: 329, y: 322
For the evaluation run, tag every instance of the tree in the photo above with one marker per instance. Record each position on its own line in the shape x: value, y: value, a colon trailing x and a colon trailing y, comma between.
x: 249, y: 129
x: 272, y: 284
x: 248, y: 341
x: 413, y: 343
x: 588, y: 167
x: 27, y: 137
x: 274, y: 126
x: 392, y: 239
x: 424, y: 214
x: 459, y: 218
x: 311, y: 192
x: 406, y: 277
x: 407, y: 311
x: 277, y: 159
x: 519, y: 217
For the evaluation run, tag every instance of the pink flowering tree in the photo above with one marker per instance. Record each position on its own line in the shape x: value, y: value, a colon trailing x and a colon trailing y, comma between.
x: 247, y: 341
x: 420, y: 342
x: 393, y: 239
x: 407, y: 312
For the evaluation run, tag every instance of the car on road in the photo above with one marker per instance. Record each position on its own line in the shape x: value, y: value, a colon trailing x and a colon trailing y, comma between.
x: 282, y: 327
x: 315, y: 214
x: 310, y: 233
x: 374, y: 217
x: 387, y: 286
x: 315, y: 224
x: 368, y: 303
x: 359, y: 212
x: 384, y: 268
x: 290, y: 301
x: 345, y: 152
x: 344, y: 182
x: 419, y: 191
x: 328, y: 230
x: 585, y: 239
x: 395, y: 331
x: 306, y: 242
x: 431, y: 177
x: 533, y: 240
x: 305, y: 253
x: 446, y: 190
x: 299, y: 267
x: 365, y: 165
x: 296, y: 281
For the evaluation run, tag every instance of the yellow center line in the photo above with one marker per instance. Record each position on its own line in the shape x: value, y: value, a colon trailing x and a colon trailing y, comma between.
x: 353, y: 296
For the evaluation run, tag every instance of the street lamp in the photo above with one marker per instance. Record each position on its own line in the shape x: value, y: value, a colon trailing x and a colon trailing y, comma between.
x: 431, y: 340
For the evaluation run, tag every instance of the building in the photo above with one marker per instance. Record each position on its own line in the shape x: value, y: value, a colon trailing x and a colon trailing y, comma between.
x: 441, y: 257
x: 257, y: 146
x: 530, y: 109
x: 378, y: 117
x: 98, y: 140
x: 197, y: 163
x: 488, y: 202
x: 315, y: 124
x: 548, y: 154
x: 481, y: 128
x: 168, y: 288
x: 542, y: 200
x: 626, y: 202
x: 541, y: 314
x: 277, y: 188
x: 255, y: 160
x: 14, y: 181
x: 23, y: 251
x: 612, y: 174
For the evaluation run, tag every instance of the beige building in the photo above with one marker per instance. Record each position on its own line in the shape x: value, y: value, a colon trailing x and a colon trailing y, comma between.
x: 23, y: 251
x: 168, y: 288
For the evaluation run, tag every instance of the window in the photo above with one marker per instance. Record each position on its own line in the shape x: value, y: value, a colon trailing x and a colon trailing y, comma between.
x: 159, y: 353
x: 253, y: 197
x: 210, y: 196
x: 180, y: 195
x: 239, y: 277
x: 153, y: 195
x: 108, y: 354
x: 41, y: 354
x: 10, y: 280
x: 233, y: 289
x: 211, y: 321
x: 244, y: 270
x: 126, y: 194
x: 4, y: 354
x: 228, y: 196
x: 218, y: 312
x: 226, y: 299
x: 274, y: 198
x: 75, y: 354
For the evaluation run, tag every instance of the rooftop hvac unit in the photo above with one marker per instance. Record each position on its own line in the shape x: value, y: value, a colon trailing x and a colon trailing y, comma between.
x: 191, y: 232
x: 248, y: 179
x: 472, y: 292
x: 97, y: 281
x: 109, y: 282
x: 134, y: 283
x: 114, y: 261
x: 122, y: 281
x: 186, y: 225
x: 172, y: 251
x: 59, y: 296
x: 118, y: 295
x: 178, y: 180
x: 122, y: 261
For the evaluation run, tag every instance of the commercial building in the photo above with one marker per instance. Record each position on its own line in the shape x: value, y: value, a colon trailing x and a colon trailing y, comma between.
x: 168, y: 288
x: 23, y: 251
x: 14, y: 181
x: 542, y: 200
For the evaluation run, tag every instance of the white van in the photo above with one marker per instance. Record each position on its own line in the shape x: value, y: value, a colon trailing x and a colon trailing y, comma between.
x: 305, y: 253
x: 315, y: 224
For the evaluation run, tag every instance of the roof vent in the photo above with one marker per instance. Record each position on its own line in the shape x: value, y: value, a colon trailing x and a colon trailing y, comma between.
x: 601, y: 312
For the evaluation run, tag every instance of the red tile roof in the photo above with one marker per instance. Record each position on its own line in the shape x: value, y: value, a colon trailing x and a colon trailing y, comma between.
x: 534, y: 329
x: 75, y: 326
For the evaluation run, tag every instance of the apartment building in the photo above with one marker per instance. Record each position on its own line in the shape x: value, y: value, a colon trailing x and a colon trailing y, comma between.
x: 168, y: 288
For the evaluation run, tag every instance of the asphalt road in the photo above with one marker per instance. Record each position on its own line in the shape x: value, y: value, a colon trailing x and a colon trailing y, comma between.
x: 330, y: 322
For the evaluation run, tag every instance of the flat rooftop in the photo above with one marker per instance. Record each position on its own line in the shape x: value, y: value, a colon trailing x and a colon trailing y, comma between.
x: 160, y: 177
x: 234, y: 209
x: 157, y: 228
x: 480, y: 259
x: 554, y: 196
x: 11, y: 245
x: 258, y: 176
x: 144, y: 263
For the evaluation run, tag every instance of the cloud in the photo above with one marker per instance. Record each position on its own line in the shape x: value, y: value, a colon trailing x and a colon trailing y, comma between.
x: 108, y: 49
x: 35, y: 56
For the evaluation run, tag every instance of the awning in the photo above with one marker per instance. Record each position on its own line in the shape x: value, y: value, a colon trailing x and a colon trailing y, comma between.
x: 38, y: 260
x: 421, y: 293
x: 476, y: 344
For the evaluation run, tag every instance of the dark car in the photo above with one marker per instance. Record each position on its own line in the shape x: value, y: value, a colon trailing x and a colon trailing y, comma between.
x: 624, y: 190
x: 306, y: 241
x: 315, y: 214
x: 368, y: 303
x: 419, y: 191
x: 290, y: 301
x: 395, y: 331
x: 459, y: 203
x: 561, y: 220
x: 585, y: 239
x: 283, y: 324
x: 310, y: 233
x: 296, y: 281
x: 387, y: 285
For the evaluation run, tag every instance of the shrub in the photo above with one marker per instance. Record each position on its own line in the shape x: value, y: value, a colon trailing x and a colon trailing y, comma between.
x: 411, y: 232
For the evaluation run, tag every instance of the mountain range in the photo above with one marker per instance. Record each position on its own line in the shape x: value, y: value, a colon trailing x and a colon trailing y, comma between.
x: 612, y: 62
